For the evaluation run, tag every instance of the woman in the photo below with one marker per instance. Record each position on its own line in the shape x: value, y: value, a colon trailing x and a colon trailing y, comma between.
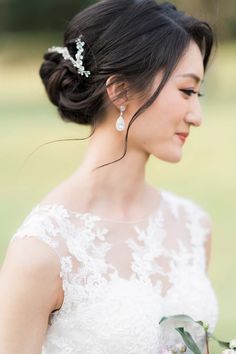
x: 105, y: 255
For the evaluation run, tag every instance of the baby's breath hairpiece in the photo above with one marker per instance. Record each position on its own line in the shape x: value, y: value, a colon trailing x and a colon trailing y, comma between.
x: 78, y: 61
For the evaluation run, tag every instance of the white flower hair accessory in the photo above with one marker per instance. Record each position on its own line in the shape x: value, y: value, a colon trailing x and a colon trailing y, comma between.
x: 78, y: 61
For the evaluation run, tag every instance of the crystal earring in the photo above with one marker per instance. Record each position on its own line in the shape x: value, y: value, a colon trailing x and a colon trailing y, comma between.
x: 120, y: 123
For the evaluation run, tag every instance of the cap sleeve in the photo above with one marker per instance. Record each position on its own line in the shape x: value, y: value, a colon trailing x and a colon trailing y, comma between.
x: 48, y: 224
x: 199, y: 224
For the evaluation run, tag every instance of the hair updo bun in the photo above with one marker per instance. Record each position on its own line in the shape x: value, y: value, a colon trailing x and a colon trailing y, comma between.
x: 131, y: 39
x: 65, y: 87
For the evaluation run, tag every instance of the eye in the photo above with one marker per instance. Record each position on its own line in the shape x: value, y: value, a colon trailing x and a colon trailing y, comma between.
x: 191, y: 92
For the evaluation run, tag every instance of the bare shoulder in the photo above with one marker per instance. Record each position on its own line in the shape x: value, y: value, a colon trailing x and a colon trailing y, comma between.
x: 31, y: 251
x: 32, y: 265
x: 64, y: 193
x: 29, y: 289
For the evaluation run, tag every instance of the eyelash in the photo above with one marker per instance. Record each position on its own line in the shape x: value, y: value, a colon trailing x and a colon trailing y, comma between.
x: 191, y: 92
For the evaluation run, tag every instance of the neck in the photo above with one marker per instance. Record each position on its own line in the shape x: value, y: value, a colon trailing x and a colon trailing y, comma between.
x: 117, y: 190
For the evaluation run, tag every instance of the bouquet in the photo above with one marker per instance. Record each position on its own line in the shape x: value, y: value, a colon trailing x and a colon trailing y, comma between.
x: 188, y: 340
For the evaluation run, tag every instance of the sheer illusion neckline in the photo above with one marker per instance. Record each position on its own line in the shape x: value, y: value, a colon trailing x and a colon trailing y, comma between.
x: 107, y: 219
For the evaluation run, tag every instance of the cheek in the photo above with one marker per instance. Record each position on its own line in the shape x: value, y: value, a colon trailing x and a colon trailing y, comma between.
x: 170, y: 106
x: 164, y: 116
x: 159, y: 122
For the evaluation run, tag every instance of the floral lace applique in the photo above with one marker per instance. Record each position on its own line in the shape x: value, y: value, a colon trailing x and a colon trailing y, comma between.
x: 119, y: 280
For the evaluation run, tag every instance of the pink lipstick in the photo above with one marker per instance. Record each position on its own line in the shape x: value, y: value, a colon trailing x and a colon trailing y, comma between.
x: 182, y: 136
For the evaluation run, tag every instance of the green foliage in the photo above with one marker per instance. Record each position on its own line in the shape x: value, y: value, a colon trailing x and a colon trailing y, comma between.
x: 53, y: 15
x: 189, y: 341
x: 187, y: 337
x: 41, y: 15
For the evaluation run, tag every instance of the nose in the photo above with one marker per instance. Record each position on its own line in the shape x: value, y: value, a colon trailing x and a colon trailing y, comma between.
x: 194, y: 114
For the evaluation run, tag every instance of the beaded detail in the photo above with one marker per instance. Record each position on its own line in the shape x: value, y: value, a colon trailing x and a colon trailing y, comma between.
x: 78, y: 61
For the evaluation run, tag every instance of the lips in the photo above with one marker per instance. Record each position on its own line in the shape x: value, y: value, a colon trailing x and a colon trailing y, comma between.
x: 182, y: 136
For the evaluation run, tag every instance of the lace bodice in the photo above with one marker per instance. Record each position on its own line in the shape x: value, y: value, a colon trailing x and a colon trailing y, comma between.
x: 120, y: 278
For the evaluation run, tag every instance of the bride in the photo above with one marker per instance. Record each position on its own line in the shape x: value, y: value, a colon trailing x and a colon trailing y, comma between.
x: 104, y: 255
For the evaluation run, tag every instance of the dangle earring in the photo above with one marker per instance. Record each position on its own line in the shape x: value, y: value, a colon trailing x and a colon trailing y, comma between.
x: 120, y: 123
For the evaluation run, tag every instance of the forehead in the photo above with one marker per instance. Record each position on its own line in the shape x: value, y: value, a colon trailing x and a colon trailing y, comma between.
x: 191, y: 62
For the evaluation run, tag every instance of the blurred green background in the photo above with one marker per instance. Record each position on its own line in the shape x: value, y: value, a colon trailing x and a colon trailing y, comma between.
x: 206, y: 174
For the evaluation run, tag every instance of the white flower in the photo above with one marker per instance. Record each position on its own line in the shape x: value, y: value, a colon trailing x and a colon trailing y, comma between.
x: 228, y: 351
x: 232, y: 344
x: 181, y: 347
x: 205, y: 326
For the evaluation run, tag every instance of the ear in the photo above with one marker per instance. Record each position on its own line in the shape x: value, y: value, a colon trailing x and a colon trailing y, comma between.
x: 117, y: 91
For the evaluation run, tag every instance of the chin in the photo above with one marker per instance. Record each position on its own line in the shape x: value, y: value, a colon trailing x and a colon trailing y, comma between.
x: 175, y: 159
x: 171, y: 158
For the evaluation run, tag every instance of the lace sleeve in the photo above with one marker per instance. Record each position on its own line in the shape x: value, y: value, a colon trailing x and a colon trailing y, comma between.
x: 207, y: 224
x: 38, y: 226
x: 200, y: 227
x: 45, y: 225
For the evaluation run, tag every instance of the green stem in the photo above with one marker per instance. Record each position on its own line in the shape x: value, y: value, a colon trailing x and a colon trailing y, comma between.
x: 207, y: 343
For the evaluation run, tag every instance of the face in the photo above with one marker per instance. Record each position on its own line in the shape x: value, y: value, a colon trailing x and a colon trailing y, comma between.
x: 163, y: 128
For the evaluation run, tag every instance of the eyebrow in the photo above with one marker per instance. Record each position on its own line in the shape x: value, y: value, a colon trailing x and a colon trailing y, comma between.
x: 193, y: 76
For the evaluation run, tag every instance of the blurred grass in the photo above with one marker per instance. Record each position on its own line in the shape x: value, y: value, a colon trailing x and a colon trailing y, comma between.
x: 206, y: 174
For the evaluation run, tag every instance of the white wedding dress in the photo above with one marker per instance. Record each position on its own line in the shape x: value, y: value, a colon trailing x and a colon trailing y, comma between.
x: 120, y: 278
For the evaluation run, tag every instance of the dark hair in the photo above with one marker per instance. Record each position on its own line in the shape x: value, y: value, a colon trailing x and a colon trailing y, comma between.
x: 130, y: 39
